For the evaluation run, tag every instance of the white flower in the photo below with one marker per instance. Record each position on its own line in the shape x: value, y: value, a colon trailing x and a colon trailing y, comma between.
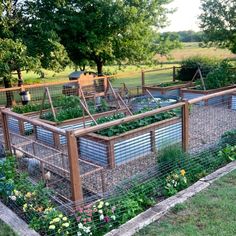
x: 13, y: 198
x: 100, y: 211
x: 87, y: 229
x: 113, y: 217
x: 107, y: 204
x: 80, y: 225
x: 78, y: 233
x: 101, y: 217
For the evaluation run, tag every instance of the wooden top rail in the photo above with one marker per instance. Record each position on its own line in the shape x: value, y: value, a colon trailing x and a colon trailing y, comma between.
x: 161, y: 69
x: 33, y: 121
x: 213, y: 95
x: 126, y: 119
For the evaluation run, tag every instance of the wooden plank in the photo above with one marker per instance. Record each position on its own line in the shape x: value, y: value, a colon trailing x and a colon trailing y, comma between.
x: 142, y: 80
x: 91, y: 129
x: 6, y: 134
x: 122, y: 101
x: 111, y: 154
x: 87, y: 111
x: 76, y: 182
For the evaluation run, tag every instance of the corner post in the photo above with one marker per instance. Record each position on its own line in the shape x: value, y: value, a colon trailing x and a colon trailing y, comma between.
x: 7, y: 138
x: 73, y: 155
x: 185, y: 126
x: 142, y: 81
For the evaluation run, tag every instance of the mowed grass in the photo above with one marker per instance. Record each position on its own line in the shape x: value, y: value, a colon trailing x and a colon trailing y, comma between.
x: 131, y: 74
x: 211, y: 212
x: 5, y: 230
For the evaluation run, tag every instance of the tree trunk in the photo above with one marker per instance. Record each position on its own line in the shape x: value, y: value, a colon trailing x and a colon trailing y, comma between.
x: 9, y: 94
x: 99, y: 67
x: 20, y: 80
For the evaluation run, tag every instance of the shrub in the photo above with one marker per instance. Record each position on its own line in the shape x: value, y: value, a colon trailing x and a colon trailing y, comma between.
x: 221, y: 76
x: 228, y: 137
x: 190, y: 65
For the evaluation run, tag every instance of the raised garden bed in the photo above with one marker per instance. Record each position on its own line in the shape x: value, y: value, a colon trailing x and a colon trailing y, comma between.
x: 170, y: 90
x: 130, y: 145
x: 193, y: 92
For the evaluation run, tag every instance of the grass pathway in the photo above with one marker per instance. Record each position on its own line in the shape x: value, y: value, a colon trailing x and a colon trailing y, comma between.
x: 211, y: 212
x: 5, y: 230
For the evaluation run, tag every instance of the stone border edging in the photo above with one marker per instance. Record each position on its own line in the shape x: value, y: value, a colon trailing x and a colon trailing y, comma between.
x: 13, y: 221
x: 156, y: 212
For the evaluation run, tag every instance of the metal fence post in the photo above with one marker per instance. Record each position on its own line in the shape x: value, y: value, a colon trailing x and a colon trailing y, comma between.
x: 185, y: 126
x: 76, y: 182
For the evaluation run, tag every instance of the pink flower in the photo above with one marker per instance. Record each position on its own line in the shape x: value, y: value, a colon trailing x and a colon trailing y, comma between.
x: 95, y: 209
x: 80, y: 210
x: 106, y: 219
x: 78, y: 218
x: 113, y: 209
x: 89, y: 219
x: 84, y: 220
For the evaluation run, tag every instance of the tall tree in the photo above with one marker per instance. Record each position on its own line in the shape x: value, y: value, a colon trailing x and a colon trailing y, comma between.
x: 102, y: 31
x: 14, y: 56
x: 218, y: 21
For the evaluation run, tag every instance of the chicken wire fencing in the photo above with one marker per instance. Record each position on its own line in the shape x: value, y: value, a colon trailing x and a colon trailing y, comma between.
x: 134, y: 161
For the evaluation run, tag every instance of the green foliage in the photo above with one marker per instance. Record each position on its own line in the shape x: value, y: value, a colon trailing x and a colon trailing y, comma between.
x: 175, y: 182
x: 167, y: 84
x: 220, y: 76
x: 14, y: 56
x: 229, y: 153
x: 218, y: 20
x: 122, y: 128
x: 229, y: 137
x: 190, y: 65
x: 97, y: 32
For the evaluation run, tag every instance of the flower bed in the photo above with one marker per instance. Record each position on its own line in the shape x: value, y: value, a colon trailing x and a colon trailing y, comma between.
x: 168, y: 90
x: 193, y: 92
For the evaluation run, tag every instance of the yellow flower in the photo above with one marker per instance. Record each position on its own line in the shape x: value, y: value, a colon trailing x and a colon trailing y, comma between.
x: 60, y: 215
x: 66, y: 224
x: 25, y: 207
x: 56, y: 220
x: 28, y: 195
x: 64, y: 218
x: 183, y: 172
x: 17, y: 193
x: 52, y: 227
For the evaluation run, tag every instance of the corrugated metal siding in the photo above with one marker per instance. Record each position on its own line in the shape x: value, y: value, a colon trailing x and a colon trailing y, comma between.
x: 168, y: 135
x: 44, y: 135
x: 13, y: 125
x: 173, y: 94
x: 233, y: 105
x: 211, y: 101
x: 132, y: 148
x: 93, y: 151
x: 47, y: 136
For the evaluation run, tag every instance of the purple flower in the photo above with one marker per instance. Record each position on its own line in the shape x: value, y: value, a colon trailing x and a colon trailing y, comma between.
x: 106, y: 219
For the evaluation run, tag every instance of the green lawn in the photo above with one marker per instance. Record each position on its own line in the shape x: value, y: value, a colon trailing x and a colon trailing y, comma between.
x: 211, y: 212
x: 5, y: 230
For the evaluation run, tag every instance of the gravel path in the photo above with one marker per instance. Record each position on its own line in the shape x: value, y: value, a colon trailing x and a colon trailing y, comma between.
x: 207, y: 124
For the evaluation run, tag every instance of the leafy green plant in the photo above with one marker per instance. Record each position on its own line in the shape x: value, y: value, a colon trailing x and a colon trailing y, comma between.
x: 122, y: 128
x: 220, y: 76
x: 228, y: 137
x: 190, y: 65
x: 175, y: 182
x: 228, y: 153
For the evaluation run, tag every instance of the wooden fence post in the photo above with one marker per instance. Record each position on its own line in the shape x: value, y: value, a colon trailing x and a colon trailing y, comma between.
x: 174, y: 73
x: 6, y: 134
x: 143, y: 80
x: 73, y: 155
x: 185, y: 126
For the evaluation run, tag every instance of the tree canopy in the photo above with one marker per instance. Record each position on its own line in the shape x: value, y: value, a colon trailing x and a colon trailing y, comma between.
x: 218, y: 21
x: 101, y: 31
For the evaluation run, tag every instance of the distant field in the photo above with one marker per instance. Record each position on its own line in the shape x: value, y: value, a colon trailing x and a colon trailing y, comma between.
x: 193, y: 49
x: 131, y: 75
